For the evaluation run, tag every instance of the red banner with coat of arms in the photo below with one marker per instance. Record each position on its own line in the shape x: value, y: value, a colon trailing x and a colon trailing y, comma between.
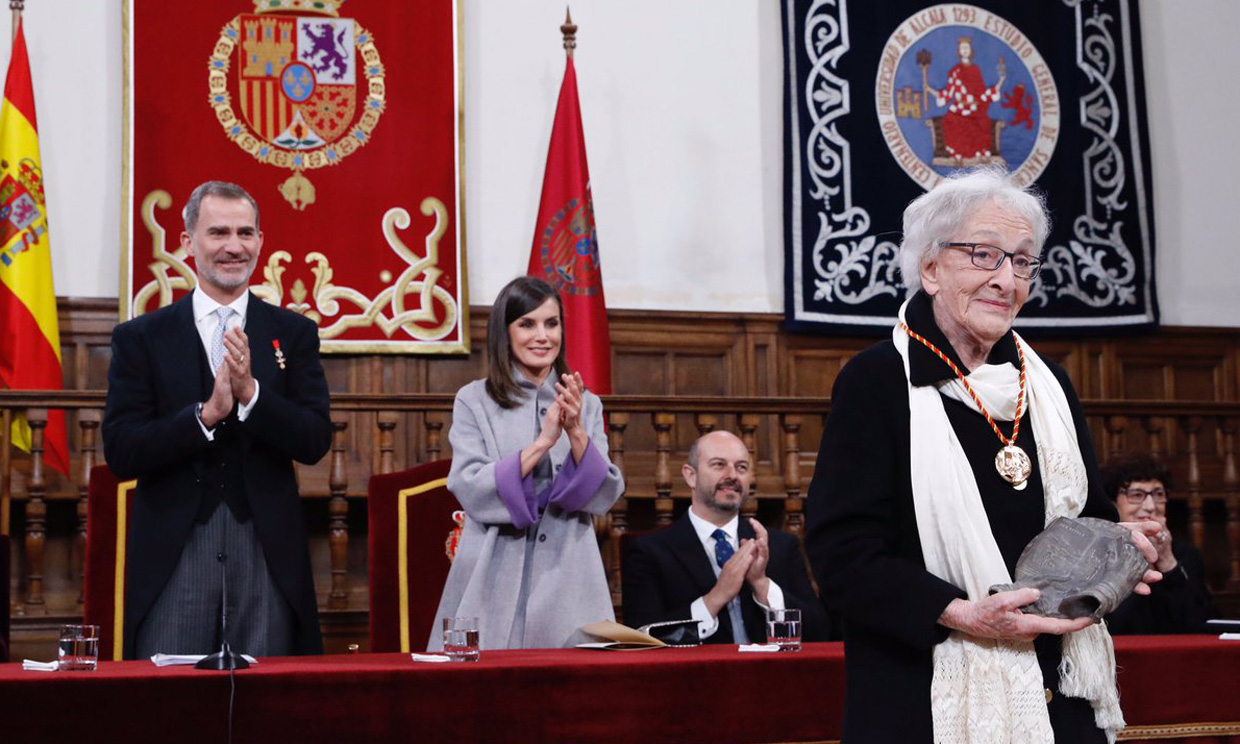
x: 343, y: 119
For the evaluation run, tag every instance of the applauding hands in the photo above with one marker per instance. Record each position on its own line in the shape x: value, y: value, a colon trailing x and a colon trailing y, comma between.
x: 570, y: 399
x: 746, y: 566
x: 234, y: 380
x: 562, y: 417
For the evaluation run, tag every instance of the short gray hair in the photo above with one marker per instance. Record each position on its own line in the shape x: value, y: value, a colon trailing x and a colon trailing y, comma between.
x: 938, y: 215
x: 218, y: 189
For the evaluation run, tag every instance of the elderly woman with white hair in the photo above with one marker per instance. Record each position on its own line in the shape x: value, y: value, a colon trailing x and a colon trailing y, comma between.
x: 949, y: 447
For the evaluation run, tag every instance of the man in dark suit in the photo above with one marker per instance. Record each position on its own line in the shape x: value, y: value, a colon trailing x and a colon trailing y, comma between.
x: 210, y: 400
x: 714, y: 567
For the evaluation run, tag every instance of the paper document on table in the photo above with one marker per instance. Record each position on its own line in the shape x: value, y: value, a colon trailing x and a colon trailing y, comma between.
x: 758, y: 648
x: 163, y: 660
x: 30, y: 665
x: 1229, y: 636
x: 617, y: 637
x: 432, y: 658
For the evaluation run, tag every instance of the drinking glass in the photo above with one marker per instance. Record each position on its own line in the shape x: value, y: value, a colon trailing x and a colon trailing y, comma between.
x: 460, y: 638
x: 783, y: 628
x: 79, y: 648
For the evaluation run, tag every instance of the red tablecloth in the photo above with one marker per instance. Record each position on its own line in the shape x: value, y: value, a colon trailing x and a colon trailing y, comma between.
x: 708, y: 694
x: 1166, y: 682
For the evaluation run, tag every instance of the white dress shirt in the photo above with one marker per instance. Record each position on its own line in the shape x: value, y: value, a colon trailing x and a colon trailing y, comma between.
x: 707, y: 623
x: 206, y: 320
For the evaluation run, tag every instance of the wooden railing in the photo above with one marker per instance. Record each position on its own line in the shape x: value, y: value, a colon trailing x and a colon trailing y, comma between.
x: 647, y: 437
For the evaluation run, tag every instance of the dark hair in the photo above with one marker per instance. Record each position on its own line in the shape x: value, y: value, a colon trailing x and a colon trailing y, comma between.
x: 1132, y: 467
x: 692, y: 459
x: 218, y: 189
x: 520, y: 296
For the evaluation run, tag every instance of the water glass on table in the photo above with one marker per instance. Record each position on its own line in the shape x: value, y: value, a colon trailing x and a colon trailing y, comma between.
x: 783, y: 628
x: 79, y: 648
x: 460, y: 638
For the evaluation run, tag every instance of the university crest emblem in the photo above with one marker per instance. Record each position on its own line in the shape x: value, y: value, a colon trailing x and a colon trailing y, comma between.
x: 1051, y: 91
x: 958, y: 87
x: 297, y: 87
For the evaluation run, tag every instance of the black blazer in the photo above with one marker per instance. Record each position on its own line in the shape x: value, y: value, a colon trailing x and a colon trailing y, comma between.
x: 865, y: 550
x: 158, y: 374
x: 1180, y: 603
x: 664, y: 572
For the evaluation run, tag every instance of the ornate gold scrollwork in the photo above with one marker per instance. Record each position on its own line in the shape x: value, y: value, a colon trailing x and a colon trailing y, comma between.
x: 162, y: 284
x: 420, y: 277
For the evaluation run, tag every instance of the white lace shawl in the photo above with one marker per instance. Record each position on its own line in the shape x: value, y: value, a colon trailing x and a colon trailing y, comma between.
x: 983, y: 690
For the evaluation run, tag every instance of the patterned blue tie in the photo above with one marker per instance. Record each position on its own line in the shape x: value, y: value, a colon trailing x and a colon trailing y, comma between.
x: 217, y: 341
x: 723, y: 548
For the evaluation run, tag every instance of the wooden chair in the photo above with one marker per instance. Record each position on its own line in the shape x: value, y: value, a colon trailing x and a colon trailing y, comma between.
x: 109, y: 503
x: 415, y: 523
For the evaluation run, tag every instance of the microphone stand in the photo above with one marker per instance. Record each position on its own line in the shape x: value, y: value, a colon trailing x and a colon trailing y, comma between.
x: 225, y: 658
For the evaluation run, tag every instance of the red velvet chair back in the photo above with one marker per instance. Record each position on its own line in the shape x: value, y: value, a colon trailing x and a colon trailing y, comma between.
x: 4, y: 598
x: 413, y: 534
x: 109, y: 503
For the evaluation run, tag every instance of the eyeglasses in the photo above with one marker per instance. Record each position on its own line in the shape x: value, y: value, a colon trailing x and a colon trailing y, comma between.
x: 1137, y: 496
x: 990, y: 257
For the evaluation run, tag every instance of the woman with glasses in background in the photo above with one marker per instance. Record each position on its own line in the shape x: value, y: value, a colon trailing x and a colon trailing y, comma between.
x: 1181, y: 602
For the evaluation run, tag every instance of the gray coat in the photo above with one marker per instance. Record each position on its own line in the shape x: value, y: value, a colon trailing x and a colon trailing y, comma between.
x: 533, y: 587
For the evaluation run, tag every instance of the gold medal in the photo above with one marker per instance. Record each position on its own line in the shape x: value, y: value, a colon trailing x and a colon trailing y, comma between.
x: 1014, y: 466
x: 1011, y: 462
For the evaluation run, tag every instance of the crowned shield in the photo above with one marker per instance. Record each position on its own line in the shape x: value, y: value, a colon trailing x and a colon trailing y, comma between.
x: 307, y: 91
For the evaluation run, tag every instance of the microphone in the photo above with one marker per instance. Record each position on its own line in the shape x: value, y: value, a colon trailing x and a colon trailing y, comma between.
x: 225, y: 658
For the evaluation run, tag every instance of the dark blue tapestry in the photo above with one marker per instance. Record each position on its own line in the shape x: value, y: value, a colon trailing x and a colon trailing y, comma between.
x: 882, y: 99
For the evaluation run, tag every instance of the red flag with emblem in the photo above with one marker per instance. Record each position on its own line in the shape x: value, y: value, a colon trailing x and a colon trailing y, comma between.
x: 565, y: 251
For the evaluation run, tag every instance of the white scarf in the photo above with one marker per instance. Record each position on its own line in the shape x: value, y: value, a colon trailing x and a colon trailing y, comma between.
x: 985, y: 690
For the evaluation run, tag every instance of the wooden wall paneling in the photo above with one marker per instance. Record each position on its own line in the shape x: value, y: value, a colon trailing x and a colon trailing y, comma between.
x: 1093, y: 378
x: 762, y: 371
x: 759, y: 373
x: 1106, y: 372
x: 705, y: 371
x: 673, y: 353
x: 1185, y: 364
x: 812, y: 373
x: 1074, y: 356
x: 1144, y: 378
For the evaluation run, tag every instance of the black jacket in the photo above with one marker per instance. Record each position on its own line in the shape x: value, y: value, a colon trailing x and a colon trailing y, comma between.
x: 158, y: 374
x: 862, y: 537
x: 1180, y: 603
x: 665, y: 571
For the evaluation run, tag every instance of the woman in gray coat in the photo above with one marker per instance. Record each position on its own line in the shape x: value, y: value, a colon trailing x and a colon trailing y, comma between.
x: 530, y: 467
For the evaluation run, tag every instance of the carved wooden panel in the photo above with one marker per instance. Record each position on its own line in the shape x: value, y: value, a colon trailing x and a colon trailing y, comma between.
x: 713, y: 355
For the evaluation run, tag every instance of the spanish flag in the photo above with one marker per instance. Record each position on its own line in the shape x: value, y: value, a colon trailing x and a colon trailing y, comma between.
x: 29, y: 333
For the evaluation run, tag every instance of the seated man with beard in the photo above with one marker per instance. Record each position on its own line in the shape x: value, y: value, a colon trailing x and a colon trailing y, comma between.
x: 714, y: 567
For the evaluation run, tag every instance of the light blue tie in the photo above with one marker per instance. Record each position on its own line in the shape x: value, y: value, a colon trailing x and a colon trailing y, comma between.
x: 723, y: 548
x: 217, y: 341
